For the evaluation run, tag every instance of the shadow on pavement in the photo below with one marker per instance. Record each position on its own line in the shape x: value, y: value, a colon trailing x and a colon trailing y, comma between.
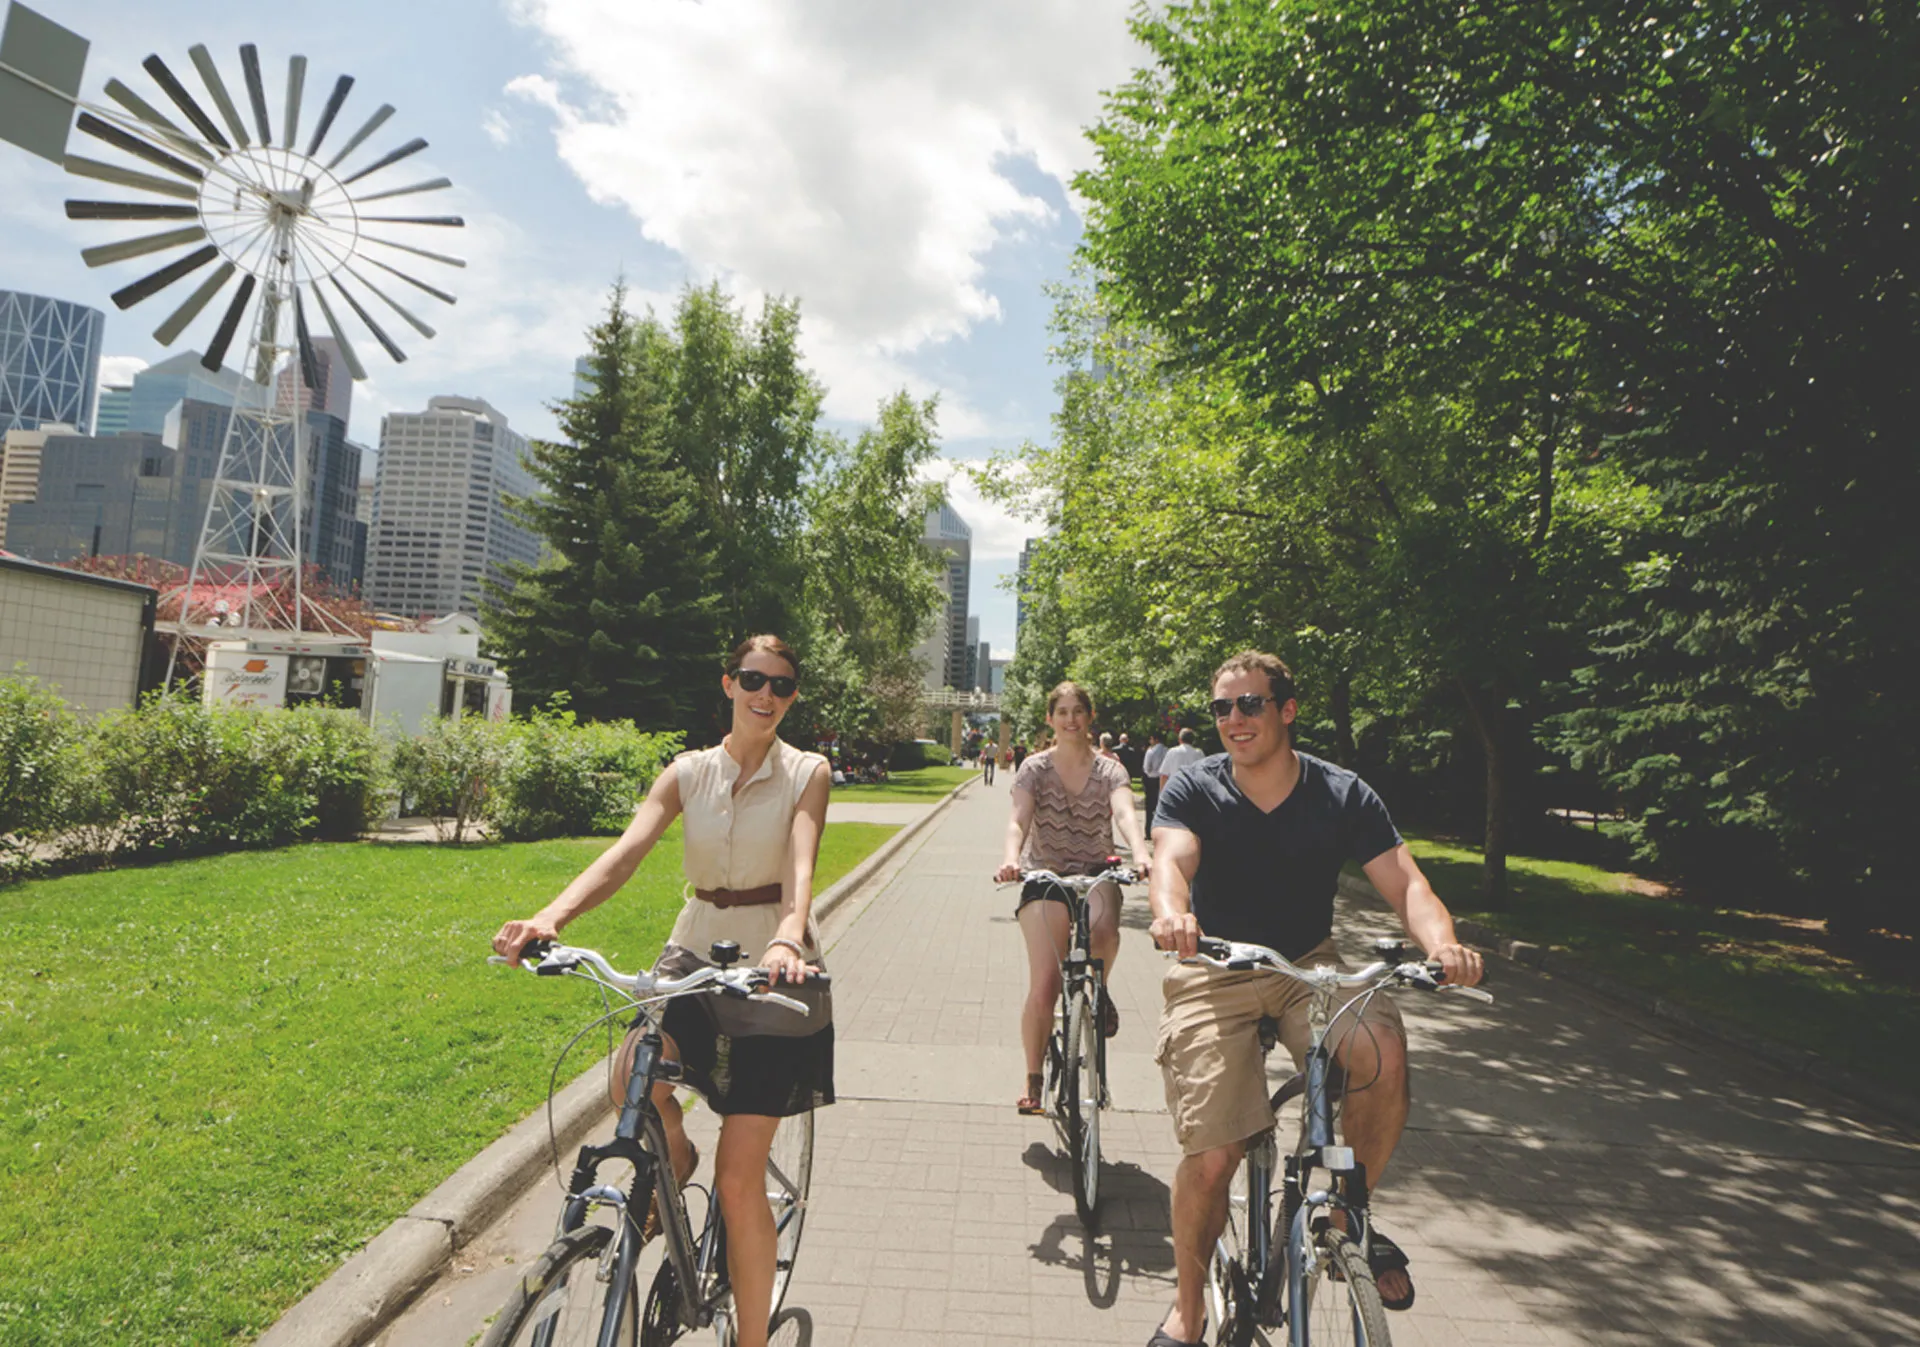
x: 1135, y: 1238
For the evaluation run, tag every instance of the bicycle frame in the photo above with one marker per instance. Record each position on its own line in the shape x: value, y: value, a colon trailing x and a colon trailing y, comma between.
x: 1080, y: 974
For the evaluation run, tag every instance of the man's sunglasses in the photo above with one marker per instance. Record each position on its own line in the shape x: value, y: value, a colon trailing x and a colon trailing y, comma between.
x: 753, y: 680
x: 1250, y: 704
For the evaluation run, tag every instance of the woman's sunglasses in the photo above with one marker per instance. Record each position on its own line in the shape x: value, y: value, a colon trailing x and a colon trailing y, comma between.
x: 1250, y: 703
x: 753, y: 680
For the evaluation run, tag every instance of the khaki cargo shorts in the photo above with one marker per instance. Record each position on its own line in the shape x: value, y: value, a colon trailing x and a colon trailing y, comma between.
x: 1209, y: 1044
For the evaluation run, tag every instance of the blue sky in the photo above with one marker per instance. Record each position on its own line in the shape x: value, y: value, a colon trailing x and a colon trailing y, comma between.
x: 899, y: 169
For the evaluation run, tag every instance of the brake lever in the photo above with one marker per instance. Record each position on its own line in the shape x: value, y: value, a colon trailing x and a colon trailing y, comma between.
x: 1480, y: 994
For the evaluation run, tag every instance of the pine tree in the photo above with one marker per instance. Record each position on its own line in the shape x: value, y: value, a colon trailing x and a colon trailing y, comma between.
x: 621, y: 613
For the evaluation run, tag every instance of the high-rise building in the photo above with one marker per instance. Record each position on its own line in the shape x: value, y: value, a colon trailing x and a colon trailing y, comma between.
x: 998, y: 672
x: 972, y: 679
x: 110, y: 413
x: 983, y: 666
x: 158, y: 389
x: 333, y: 390
x: 947, y: 532
x: 441, y: 527
x: 931, y: 652
x: 49, y: 362
x: 20, y: 452
x: 146, y: 494
x: 1020, y: 589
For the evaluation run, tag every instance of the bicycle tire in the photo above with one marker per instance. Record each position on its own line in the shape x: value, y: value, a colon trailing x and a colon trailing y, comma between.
x: 789, y: 1177
x: 559, y: 1301
x: 1346, y: 1308
x: 1083, y: 1114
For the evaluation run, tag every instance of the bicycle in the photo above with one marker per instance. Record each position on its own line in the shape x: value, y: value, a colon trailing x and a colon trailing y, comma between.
x: 1075, y: 1068
x: 557, y: 1303
x: 1299, y: 1249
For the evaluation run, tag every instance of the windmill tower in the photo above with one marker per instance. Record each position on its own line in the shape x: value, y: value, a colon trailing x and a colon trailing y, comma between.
x: 278, y: 217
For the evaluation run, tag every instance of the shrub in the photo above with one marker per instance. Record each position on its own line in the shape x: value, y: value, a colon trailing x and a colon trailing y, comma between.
x: 448, y: 769
x: 564, y: 779
x: 918, y: 753
x: 35, y: 731
x: 333, y: 760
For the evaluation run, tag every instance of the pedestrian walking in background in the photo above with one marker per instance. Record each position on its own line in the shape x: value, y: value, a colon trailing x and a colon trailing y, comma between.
x: 1184, y: 754
x: 1106, y: 748
x: 1129, y: 755
x: 1019, y: 753
x: 1150, y: 774
x: 989, y: 759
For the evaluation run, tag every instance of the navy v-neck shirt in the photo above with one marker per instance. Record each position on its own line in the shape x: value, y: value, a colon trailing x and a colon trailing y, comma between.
x: 1269, y: 878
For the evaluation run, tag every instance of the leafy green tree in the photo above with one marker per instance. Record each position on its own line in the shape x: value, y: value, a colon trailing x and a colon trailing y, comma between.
x: 742, y: 420
x: 622, y: 613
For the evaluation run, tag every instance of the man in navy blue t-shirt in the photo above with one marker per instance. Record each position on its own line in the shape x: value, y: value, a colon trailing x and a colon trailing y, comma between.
x: 1248, y: 845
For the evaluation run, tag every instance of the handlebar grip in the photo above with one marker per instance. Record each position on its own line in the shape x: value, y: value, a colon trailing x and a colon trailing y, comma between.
x: 1214, y: 949
x: 536, y: 949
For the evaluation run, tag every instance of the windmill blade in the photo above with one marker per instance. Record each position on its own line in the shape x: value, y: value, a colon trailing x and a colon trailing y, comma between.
x: 432, y: 185
x: 412, y: 147
x: 374, y: 123
x: 148, y: 113
x: 256, y: 91
x: 229, y: 324
x: 133, y: 145
x: 379, y: 333
x: 296, y: 86
x: 444, y: 221
x: 354, y: 367
x: 129, y: 210
x: 128, y: 296
x: 183, y: 100
x: 329, y: 112
x: 140, y: 247
x: 168, y: 332
x: 309, y: 366
x: 417, y: 252
x: 415, y: 282
x: 210, y: 74
x: 126, y: 177
x: 393, y: 304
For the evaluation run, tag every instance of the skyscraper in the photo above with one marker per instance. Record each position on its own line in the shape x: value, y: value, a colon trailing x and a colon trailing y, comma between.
x: 333, y: 390
x: 972, y: 679
x: 1020, y: 590
x: 158, y: 389
x: 49, y: 362
x: 947, y: 532
x: 440, y: 521
x: 110, y: 413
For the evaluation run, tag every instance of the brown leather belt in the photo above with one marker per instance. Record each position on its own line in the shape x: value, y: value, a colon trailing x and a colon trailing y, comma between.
x: 766, y: 893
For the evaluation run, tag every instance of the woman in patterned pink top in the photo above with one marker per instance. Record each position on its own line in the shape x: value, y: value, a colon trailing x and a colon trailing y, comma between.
x: 1066, y: 802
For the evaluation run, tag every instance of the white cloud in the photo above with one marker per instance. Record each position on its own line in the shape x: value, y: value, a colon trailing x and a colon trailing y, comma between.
x: 117, y: 371
x: 851, y: 155
x: 997, y: 533
x: 497, y: 128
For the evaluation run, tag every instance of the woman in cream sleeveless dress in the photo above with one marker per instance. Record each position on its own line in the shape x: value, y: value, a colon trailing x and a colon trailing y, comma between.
x: 753, y: 808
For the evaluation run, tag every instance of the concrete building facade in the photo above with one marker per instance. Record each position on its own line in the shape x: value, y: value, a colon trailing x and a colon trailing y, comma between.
x: 441, y: 527
x: 20, y: 452
x: 49, y: 361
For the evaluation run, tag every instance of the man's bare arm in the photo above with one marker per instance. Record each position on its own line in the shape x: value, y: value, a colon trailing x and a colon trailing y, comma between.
x: 1399, y: 879
x: 1176, y: 856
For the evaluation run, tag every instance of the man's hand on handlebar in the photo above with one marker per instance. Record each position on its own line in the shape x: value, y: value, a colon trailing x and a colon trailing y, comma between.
x: 515, y: 935
x: 1180, y: 933
x: 1460, y: 965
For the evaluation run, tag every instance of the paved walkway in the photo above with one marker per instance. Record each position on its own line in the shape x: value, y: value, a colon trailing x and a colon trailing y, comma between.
x: 1571, y: 1175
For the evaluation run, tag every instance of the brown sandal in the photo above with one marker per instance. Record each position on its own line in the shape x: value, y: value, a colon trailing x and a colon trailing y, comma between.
x: 652, y: 1227
x: 1029, y: 1103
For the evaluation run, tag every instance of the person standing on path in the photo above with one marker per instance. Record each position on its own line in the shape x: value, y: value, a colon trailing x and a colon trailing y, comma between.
x: 1251, y: 842
x: 1183, y: 754
x: 754, y: 808
x: 1150, y: 774
x: 1066, y: 802
x: 1019, y: 755
x: 989, y: 758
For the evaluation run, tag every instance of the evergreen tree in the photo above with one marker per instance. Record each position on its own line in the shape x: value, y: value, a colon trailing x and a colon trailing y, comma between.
x: 622, y: 612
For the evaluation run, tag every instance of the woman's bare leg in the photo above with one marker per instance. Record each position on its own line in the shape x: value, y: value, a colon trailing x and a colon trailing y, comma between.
x: 1045, y: 926
x: 740, y: 1174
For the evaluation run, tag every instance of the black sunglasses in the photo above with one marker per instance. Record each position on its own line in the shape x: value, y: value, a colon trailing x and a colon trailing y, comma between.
x: 1250, y: 704
x: 753, y: 680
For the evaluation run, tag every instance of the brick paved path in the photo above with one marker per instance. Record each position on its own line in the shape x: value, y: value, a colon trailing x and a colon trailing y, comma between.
x: 1571, y: 1176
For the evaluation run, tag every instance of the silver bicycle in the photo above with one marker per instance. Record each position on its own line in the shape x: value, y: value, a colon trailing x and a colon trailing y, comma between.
x: 1294, y: 1267
x: 584, y: 1288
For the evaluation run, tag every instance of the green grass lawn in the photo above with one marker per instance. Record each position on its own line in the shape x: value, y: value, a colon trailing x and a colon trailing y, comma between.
x: 922, y: 785
x: 219, y: 1078
x: 1776, y: 977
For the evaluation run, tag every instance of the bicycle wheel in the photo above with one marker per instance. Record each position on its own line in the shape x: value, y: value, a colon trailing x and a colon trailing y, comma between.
x: 789, y: 1173
x: 1343, y: 1304
x: 1081, y: 1091
x: 560, y: 1302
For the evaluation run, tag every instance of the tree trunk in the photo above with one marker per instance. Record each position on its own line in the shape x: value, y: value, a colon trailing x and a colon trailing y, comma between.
x: 1484, y: 711
x: 1340, y: 706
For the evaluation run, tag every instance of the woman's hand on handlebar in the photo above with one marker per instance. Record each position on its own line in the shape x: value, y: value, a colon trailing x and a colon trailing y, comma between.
x: 515, y: 935
x: 1007, y: 873
x: 783, y: 965
x: 1179, y: 932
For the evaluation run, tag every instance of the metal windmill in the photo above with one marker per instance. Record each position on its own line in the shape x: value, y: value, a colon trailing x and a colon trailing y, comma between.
x: 288, y: 223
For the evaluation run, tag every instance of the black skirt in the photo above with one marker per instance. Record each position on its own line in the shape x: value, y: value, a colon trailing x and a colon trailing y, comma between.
x: 751, y: 1058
